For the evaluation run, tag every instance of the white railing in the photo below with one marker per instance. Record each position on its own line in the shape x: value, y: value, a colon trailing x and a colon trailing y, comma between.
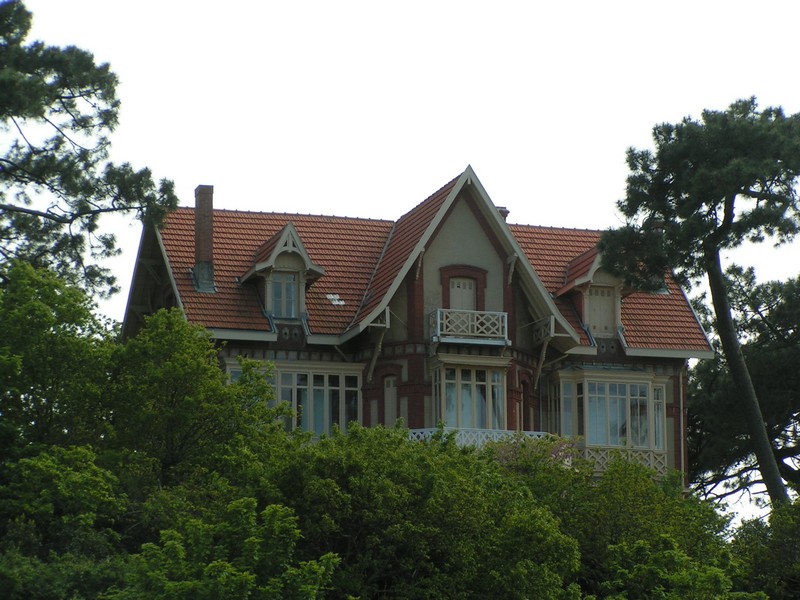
x: 470, y: 326
x: 471, y: 437
x: 602, y: 457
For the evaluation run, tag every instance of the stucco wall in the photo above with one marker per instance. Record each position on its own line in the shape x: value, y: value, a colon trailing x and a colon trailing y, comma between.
x: 462, y: 241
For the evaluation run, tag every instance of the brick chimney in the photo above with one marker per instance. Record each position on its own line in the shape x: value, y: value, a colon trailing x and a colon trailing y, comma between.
x: 503, y: 212
x: 203, y: 272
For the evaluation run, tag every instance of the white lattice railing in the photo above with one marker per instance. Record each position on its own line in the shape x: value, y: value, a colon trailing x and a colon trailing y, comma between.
x: 471, y: 437
x: 466, y: 325
x: 602, y: 457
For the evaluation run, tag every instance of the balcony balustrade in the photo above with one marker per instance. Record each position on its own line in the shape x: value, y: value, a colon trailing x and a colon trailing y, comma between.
x: 472, y: 437
x: 469, y: 327
x: 600, y: 456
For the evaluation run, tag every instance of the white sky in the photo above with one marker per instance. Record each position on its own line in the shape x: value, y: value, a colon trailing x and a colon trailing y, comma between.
x: 366, y: 108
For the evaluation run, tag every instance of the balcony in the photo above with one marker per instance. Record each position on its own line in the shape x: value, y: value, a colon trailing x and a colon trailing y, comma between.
x: 471, y: 437
x: 602, y: 457
x: 469, y: 327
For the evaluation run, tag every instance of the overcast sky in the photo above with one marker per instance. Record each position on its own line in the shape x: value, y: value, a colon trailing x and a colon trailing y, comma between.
x: 366, y: 108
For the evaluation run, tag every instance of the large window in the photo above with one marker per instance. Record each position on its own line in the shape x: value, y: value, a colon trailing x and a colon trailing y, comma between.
x: 470, y: 398
x: 321, y: 400
x: 613, y: 413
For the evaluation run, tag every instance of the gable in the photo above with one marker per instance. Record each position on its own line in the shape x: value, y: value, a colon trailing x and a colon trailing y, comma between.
x: 415, y: 230
x: 461, y: 239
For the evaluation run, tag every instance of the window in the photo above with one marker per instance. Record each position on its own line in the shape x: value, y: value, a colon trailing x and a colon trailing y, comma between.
x: 470, y: 398
x: 321, y: 400
x: 600, y: 312
x: 463, y: 287
x: 612, y: 412
x: 390, y: 400
x: 462, y: 293
x: 284, y: 295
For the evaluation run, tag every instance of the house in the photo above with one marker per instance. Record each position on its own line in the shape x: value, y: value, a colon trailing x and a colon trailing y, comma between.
x: 449, y: 314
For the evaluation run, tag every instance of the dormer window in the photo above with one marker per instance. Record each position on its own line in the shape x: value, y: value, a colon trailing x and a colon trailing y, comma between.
x: 286, y: 270
x: 284, y: 295
x: 600, y: 311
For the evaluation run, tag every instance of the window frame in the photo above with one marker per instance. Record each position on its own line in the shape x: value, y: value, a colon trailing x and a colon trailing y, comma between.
x: 350, y: 390
x: 477, y: 274
x: 457, y: 401
x: 278, y: 281
x: 595, y: 393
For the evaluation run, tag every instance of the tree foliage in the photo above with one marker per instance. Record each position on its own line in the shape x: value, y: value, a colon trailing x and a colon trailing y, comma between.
x: 133, y: 504
x: 767, y: 318
x: 57, y: 109
x: 710, y: 185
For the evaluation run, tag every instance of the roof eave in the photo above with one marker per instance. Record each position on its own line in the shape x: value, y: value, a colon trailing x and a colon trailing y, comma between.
x: 669, y: 353
x: 242, y: 335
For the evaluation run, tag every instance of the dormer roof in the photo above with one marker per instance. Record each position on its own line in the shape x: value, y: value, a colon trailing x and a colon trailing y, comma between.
x: 580, y: 270
x: 288, y: 241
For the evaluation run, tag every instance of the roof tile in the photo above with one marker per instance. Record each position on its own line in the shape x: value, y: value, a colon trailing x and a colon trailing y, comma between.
x: 363, y: 257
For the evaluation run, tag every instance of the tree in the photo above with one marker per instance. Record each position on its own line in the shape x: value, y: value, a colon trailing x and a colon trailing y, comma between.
x: 422, y: 520
x: 767, y: 554
x: 57, y: 109
x: 710, y: 186
x: 53, y: 358
x: 767, y: 317
x: 627, y: 522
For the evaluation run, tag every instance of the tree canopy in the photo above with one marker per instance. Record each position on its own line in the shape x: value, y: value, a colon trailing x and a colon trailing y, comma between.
x: 57, y: 110
x: 710, y: 185
x: 155, y: 477
x: 767, y: 317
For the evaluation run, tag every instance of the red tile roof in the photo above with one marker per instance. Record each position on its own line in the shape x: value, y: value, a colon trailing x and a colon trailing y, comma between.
x: 650, y: 321
x: 362, y: 258
x: 346, y: 248
x: 404, y: 237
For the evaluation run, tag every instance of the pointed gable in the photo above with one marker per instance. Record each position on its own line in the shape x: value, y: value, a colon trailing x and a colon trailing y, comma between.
x: 285, y: 241
x: 580, y: 270
x: 402, y: 248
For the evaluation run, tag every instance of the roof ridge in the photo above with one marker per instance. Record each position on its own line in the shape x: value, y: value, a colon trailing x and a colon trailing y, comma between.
x: 555, y: 227
x: 289, y: 214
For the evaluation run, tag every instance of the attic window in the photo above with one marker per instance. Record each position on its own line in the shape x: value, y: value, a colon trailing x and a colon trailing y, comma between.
x: 284, y: 294
x: 600, y: 310
x: 334, y: 299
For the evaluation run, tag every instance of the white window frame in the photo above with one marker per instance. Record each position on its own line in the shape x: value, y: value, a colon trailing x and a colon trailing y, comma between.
x: 287, y: 390
x: 470, y: 396
x: 599, y: 393
x: 283, y: 294
x: 601, y: 314
x: 320, y: 398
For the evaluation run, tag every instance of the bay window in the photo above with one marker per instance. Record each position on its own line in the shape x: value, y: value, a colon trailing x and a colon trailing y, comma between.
x: 614, y: 412
x: 469, y: 397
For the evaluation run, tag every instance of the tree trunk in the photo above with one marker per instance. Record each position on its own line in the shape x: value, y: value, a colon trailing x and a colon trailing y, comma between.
x: 767, y: 463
